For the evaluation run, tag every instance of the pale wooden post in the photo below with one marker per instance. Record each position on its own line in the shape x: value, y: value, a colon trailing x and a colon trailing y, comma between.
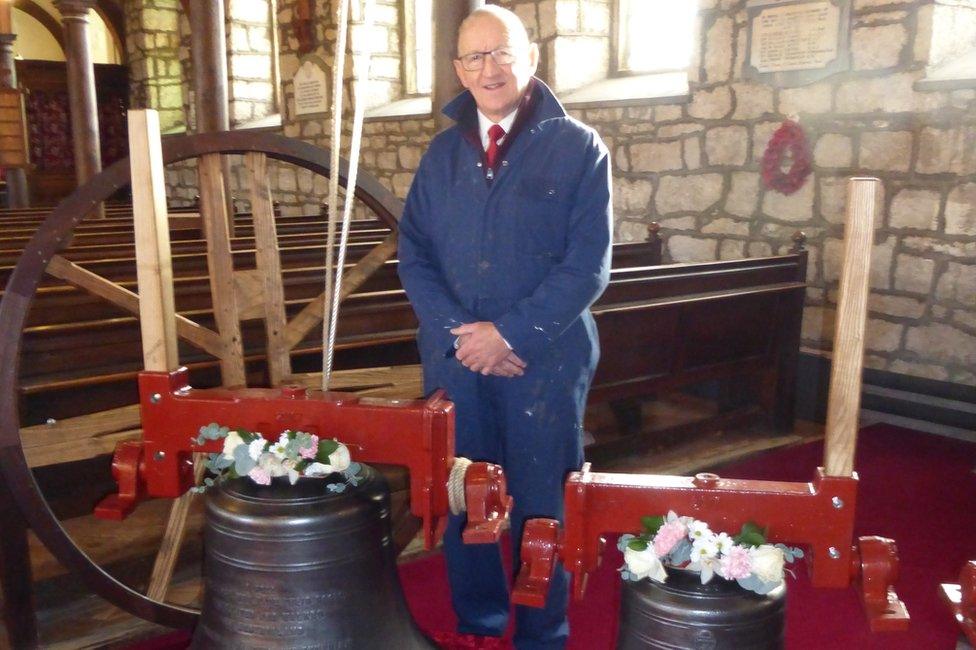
x: 154, y: 269
x: 844, y: 399
x: 269, y: 267
x: 213, y: 207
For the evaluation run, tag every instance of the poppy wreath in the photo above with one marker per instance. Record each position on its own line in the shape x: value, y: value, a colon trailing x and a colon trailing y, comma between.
x: 788, y: 137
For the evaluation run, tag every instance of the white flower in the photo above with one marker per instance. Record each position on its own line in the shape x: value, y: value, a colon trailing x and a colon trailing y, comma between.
x: 231, y: 442
x: 340, y: 459
x: 698, y: 530
x: 767, y: 563
x: 723, y: 542
x: 704, y: 547
x: 256, y: 447
x: 318, y: 470
x: 645, y: 564
x: 272, y: 465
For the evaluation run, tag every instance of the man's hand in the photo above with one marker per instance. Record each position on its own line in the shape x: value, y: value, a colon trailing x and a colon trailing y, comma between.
x: 482, y: 349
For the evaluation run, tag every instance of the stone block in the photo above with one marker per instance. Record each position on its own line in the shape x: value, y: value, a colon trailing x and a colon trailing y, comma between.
x: 818, y: 324
x: 889, y: 94
x: 878, y: 47
x: 796, y: 207
x: 679, y: 223
x: 287, y: 181
x: 957, y: 284
x: 886, y: 150
x: 409, y: 157
x: 743, y: 195
x: 960, y: 210
x: 881, y: 256
x: 683, y: 248
x: 712, y: 104
x: 914, y: 274
x: 915, y: 208
x: 833, y: 199
x: 667, y: 113
x: 966, y: 318
x: 387, y: 160
x: 718, y: 46
x: 630, y: 231
x: 726, y: 226
x: 899, y: 306
x: 567, y: 16
x: 401, y: 184
x: 726, y: 145
x: 595, y: 18
x: 547, y: 19
x: 731, y: 249
x: 761, y: 134
x: 632, y: 196
x: 809, y: 100
x: 694, y: 193
x: 942, y: 343
x: 946, y: 151
x: 759, y: 249
x: 833, y: 150
x: 752, y: 100
x: 691, y: 150
x: 932, y: 245
x: 926, y: 370
x: 655, y: 156
x: 882, y: 336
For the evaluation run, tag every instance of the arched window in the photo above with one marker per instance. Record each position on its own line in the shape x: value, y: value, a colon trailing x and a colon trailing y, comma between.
x: 654, y: 35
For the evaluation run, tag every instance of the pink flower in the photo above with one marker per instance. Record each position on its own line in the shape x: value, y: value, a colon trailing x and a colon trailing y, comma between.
x: 668, y: 535
x: 309, y: 452
x: 735, y: 564
x: 260, y: 476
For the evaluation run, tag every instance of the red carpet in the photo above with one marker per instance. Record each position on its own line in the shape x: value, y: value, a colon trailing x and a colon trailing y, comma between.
x: 916, y: 488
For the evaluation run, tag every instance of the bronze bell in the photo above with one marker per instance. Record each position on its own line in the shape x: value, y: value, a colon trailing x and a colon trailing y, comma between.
x: 684, y: 613
x: 300, y: 566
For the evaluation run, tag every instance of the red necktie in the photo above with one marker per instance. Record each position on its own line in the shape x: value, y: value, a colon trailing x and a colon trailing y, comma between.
x: 495, y: 133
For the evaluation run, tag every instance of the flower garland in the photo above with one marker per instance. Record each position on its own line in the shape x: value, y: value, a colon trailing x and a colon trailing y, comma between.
x: 295, y: 454
x: 788, y: 137
x: 683, y: 542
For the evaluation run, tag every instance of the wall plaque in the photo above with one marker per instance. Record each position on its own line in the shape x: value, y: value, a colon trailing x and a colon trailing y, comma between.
x: 311, y: 87
x: 13, y: 129
x: 796, y: 42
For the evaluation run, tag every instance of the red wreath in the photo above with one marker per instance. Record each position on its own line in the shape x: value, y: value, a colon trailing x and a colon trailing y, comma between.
x: 788, y: 137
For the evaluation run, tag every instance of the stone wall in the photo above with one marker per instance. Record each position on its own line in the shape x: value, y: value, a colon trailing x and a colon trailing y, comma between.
x: 693, y: 166
x: 251, y: 78
x: 152, y: 51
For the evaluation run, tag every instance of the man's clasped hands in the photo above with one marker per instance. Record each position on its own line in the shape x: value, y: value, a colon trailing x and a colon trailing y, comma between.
x: 481, y: 348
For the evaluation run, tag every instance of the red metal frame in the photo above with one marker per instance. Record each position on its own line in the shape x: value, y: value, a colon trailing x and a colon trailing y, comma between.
x: 417, y: 434
x: 819, y: 515
x: 961, y: 600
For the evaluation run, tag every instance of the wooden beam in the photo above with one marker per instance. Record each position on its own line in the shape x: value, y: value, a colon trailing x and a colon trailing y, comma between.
x: 268, y: 259
x: 213, y: 207
x: 154, y: 268
x: 305, y: 320
x: 844, y: 398
x: 193, y: 333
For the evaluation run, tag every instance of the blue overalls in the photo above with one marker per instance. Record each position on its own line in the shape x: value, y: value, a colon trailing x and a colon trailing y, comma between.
x: 529, y: 250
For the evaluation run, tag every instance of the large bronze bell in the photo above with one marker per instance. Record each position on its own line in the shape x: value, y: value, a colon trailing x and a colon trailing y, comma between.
x: 299, y: 566
x: 683, y: 613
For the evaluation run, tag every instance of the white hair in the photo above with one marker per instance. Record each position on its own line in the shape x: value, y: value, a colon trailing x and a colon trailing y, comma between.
x: 513, y: 24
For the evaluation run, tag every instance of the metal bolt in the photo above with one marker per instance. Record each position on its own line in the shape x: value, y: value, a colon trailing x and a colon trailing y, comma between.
x: 504, y: 163
x: 833, y: 553
x: 51, y: 422
x: 837, y: 502
x: 479, y: 164
x: 159, y: 455
x: 156, y: 398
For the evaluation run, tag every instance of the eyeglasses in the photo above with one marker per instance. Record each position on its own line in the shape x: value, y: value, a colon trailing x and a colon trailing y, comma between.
x: 476, y: 60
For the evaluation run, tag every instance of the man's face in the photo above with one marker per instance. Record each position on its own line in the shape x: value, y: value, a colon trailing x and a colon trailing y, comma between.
x: 497, y: 89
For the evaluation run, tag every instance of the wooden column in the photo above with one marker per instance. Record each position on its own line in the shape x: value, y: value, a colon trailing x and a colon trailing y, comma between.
x: 81, y: 88
x: 208, y: 49
x: 17, y: 194
x: 448, y: 15
x: 208, y: 52
x: 15, y: 576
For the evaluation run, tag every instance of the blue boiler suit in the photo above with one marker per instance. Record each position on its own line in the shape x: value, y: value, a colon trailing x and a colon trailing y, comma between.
x: 529, y: 251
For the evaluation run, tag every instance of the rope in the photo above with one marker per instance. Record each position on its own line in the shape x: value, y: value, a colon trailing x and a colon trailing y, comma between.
x: 360, y: 71
x: 455, y: 485
x: 338, y: 67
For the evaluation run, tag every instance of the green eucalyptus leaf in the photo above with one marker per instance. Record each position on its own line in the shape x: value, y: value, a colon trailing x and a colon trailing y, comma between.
x: 637, y: 544
x: 652, y: 524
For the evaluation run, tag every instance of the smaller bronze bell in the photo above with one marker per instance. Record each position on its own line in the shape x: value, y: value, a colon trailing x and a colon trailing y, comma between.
x: 683, y: 613
x: 299, y: 566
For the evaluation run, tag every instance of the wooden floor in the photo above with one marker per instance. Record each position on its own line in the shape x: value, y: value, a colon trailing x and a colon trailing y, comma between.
x: 71, y: 617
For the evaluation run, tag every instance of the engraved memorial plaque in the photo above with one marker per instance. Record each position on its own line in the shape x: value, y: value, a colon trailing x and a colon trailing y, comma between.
x: 311, y: 89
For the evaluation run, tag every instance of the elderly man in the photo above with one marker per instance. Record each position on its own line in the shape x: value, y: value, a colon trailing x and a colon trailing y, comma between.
x: 504, y: 245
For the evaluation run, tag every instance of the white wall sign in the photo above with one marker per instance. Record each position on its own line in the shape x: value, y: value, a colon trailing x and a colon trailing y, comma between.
x: 311, y: 88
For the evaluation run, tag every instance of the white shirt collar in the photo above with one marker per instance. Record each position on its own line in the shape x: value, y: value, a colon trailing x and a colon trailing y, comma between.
x: 484, y: 124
